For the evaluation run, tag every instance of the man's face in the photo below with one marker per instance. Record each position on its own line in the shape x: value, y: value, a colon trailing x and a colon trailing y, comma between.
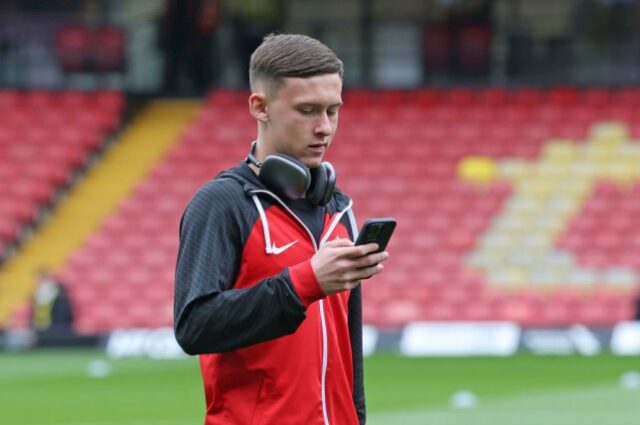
x: 303, y: 117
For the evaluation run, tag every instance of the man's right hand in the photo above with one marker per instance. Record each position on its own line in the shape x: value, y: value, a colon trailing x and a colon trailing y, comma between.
x: 340, y: 266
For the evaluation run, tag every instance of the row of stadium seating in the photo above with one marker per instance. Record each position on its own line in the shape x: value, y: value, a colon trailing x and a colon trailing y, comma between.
x: 45, y: 137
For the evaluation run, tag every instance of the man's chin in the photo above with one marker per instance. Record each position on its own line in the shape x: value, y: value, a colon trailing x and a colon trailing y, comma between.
x: 312, y: 162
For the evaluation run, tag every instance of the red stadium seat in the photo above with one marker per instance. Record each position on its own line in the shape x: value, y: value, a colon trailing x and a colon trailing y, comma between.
x: 474, y: 47
x: 73, y: 45
x: 109, y: 49
x: 438, y: 42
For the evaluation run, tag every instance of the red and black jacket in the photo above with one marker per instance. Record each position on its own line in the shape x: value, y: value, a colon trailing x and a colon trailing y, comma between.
x: 273, y: 348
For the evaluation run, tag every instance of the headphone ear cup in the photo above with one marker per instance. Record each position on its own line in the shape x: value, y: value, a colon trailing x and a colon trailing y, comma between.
x: 323, y: 183
x: 285, y: 175
x: 330, y: 185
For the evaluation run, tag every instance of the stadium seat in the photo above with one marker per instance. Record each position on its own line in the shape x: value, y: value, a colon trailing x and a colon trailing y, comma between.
x: 438, y: 43
x: 474, y: 48
x: 109, y: 49
x: 73, y: 46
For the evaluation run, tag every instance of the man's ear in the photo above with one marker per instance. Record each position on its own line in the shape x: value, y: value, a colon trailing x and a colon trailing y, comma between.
x: 258, y: 106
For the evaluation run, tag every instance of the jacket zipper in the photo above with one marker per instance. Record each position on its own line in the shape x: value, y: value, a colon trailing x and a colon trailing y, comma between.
x: 323, y: 323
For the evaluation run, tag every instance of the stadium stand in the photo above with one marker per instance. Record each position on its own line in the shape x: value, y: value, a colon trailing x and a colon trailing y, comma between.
x: 498, y: 195
x: 45, y: 137
x: 94, y: 197
x: 142, y: 266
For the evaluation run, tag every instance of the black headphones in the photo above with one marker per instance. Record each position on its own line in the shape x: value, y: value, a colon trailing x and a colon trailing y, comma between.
x: 291, y: 178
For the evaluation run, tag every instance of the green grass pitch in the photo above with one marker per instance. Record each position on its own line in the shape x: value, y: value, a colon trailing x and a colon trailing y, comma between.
x: 54, y: 387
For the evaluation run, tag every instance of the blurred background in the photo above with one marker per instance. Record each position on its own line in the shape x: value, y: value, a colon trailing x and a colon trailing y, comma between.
x: 502, y: 135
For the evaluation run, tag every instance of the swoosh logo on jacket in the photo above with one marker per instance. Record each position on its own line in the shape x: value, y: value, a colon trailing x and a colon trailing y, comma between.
x: 279, y: 250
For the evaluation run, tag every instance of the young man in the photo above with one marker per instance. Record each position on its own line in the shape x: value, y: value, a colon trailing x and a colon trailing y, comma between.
x: 267, y: 279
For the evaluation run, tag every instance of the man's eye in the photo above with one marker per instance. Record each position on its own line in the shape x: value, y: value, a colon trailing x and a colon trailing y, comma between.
x: 306, y: 111
x: 332, y: 112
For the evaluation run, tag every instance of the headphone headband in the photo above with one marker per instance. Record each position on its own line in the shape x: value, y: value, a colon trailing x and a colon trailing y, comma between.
x: 251, y: 156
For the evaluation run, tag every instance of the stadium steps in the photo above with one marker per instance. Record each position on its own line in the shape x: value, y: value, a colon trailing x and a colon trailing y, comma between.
x: 94, y: 198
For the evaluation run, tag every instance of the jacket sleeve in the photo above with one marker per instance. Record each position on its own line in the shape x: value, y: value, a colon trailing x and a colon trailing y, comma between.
x: 209, y: 315
x: 355, y: 333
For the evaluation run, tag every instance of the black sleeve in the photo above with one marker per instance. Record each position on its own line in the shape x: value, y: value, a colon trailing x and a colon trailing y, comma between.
x: 209, y: 315
x: 355, y: 333
x: 355, y: 327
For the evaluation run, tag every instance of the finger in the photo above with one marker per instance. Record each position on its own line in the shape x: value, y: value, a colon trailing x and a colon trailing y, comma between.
x: 348, y: 285
x: 362, y: 250
x: 365, y: 272
x: 353, y: 284
x: 339, y: 242
x: 372, y: 259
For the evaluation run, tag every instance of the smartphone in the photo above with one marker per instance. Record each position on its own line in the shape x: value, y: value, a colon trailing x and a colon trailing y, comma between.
x: 377, y: 230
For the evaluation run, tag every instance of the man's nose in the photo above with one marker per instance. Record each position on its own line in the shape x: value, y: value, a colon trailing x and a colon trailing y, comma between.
x: 323, y: 126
